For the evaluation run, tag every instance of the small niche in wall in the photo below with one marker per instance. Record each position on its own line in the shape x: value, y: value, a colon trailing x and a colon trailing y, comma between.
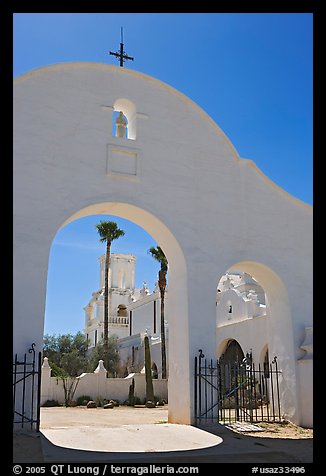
x: 119, y: 125
x: 124, y: 119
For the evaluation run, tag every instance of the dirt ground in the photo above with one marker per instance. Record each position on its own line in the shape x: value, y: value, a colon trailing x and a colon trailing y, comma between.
x: 27, y: 447
x: 52, y: 417
x: 279, y: 430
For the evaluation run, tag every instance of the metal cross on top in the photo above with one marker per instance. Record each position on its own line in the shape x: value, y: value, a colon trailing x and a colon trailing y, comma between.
x: 122, y: 54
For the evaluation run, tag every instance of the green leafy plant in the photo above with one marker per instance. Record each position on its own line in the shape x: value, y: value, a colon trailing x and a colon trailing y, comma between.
x: 83, y: 400
x: 51, y: 403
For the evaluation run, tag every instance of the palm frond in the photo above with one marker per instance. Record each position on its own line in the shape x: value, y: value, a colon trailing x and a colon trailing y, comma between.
x: 109, y: 231
x: 158, y: 254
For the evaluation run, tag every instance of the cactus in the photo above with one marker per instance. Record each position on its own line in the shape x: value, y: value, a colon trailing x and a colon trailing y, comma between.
x: 131, y: 396
x: 148, y: 372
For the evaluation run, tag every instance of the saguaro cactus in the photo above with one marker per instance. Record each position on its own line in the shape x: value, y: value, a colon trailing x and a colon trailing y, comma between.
x: 148, y: 372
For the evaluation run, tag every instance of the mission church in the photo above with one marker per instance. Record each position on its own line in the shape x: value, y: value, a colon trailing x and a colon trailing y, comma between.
x: 135, y: 312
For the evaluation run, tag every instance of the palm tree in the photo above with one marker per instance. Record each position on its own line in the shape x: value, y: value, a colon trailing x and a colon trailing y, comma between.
x: 108, y: 231
x: 158, y: 254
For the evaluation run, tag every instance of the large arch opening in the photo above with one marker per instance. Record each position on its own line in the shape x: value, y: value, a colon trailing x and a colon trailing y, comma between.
x: 176, y: 305
x: 256, y: 312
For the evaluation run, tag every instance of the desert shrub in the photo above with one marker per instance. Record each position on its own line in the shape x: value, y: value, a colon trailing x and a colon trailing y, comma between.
x: 51, y: 403
x: 100, y: 401
x: 83, y: 400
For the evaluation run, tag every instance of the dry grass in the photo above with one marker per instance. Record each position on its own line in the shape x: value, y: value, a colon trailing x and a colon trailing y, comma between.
x: 280, y: 430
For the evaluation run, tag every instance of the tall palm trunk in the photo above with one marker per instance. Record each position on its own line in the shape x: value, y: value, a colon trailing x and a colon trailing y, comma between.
x: 162, y: 286
x: 106, y: 301
x: 108, y: 231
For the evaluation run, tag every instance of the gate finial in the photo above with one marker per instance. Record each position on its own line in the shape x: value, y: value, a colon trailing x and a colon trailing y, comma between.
x: 32, y: 349
x: 201, y: 355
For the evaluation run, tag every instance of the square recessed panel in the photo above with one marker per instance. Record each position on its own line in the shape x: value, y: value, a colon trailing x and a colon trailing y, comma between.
x: 123, y: 161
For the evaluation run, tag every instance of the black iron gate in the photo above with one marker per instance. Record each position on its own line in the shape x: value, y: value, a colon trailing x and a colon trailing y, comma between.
x: 27, y: 390
x: 236, y: 391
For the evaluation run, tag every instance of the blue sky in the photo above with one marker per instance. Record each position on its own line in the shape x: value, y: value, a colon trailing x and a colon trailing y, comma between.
x: 252, y: 73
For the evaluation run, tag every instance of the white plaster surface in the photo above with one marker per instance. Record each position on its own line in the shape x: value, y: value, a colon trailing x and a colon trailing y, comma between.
x: 134, y: 438
x: 206, y: 207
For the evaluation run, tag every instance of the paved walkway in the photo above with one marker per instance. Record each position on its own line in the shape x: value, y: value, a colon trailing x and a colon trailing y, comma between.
x: 133, y: 438
x: 136, y: 435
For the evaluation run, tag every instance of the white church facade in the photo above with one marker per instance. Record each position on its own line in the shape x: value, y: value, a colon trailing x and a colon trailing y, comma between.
x: 121, y: 283
x: 179, y: 177
x: 242, y: 315
x: 133, y: 313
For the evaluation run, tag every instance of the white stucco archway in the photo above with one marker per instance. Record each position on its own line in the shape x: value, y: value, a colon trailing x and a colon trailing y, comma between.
x: 177, y: 303
x: 180, y: 178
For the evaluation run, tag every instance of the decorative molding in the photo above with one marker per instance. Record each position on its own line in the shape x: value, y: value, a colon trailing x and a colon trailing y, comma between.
x: 123, y: 162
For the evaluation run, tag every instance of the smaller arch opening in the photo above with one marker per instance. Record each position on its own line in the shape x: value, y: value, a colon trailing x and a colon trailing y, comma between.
x: 232, y: 353
x: 122, y: 310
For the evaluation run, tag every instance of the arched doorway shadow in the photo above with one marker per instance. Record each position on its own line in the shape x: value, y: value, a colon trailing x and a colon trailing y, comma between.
x: 232, y: 352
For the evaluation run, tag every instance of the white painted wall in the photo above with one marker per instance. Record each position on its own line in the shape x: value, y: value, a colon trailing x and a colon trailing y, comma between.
x: 97, y: 385
x: 179, y: 178
x: 143, y: 316
x: 241, y: 308
x: 252, y: 335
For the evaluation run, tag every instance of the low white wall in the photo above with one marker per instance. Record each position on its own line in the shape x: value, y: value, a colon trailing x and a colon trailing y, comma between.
x: 97, y: 385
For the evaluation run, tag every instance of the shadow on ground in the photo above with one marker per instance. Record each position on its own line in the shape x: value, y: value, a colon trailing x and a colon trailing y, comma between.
x: 235, y: 448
